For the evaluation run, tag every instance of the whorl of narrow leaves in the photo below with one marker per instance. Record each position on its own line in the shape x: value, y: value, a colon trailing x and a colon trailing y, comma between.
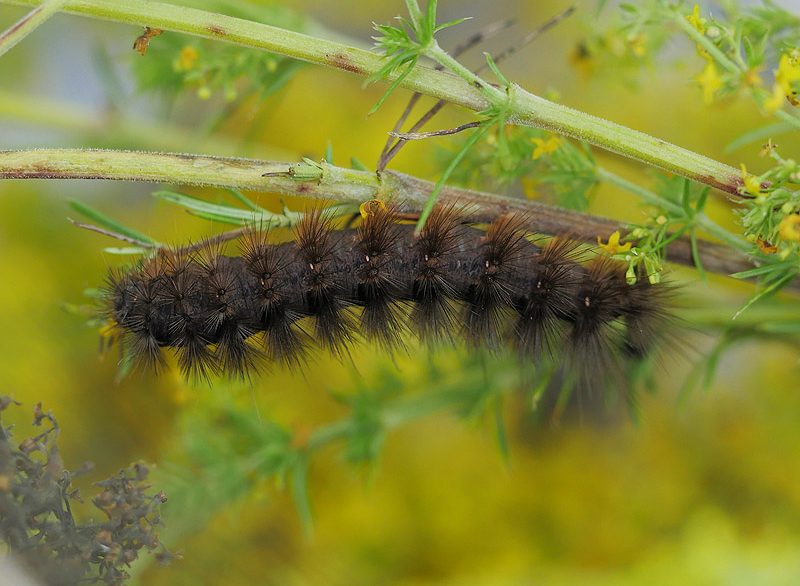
x: 223, y: 314
x: 36, y: 521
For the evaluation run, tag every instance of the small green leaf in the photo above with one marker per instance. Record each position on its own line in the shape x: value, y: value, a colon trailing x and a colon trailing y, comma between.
x: 415, y: 12
x: 300, y: 494
x: 450, y: 23
x: 759, y: 134
x: 496, y: 70
x: 204, y: 209
x: 763, y: 270
x: 357, y: 164
x: 126, y: 250
x: 104, y: 221
x: 393, y: 86
x: 245, y: 200
x: 500, y: 429
x: 771, y: 290
x: 698, y: 262
x: 468, y: 144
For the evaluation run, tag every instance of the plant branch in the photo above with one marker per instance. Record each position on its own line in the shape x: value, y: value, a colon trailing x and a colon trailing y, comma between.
x: 391, y: 147
x: 653, y: 198
x: 28, y: 23
x: 390, y: 150
x: 112, y: 234
x: 433, y: 133
x: 331, y: 183
x: 525, y: 108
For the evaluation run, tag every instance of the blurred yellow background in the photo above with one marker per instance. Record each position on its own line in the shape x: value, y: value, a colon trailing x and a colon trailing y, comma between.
x: 701, y: 491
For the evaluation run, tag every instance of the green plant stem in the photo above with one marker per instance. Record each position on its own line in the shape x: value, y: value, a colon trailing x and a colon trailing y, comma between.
x: 524, y: 108
x: 115, y: 130
x: 645, y: 195
x: 700, y: 219
x: 445, y: 60
x: 28, y: 23
x: 327, y: 182
x: 789, y: 118
x: 706, y: 44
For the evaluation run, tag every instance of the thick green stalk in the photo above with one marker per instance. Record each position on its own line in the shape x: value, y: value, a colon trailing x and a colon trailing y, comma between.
x: 524, y: 108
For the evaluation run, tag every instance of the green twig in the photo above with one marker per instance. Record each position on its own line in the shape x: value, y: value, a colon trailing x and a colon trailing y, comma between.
x: 28, y: 23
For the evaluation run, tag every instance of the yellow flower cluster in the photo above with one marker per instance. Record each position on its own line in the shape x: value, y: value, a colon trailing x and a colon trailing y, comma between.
x: 186, y: 59
x: 709, y: 80
x: 544, y: 147
x: 786, y: 75
x: 750, y: 183
x: 613, y: 246
x: 696, y: 20
x: 789, y: 228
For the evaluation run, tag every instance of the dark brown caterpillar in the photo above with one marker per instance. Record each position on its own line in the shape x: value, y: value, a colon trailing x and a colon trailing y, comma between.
x: 223, y: 314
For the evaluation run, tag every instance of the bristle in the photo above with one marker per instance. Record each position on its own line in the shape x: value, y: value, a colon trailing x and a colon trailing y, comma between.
x: 219, y: 281
x: 379, y: 287
x: 285, y: 342
x: 323, y: 284
x: 434, y: 291
x: 196, y: 360
x: 489, y: 297
x: 145, y: 350
x: 313, y: 237
x: 540, y: 327
x: 648, y: 319
x: 236, y: 356
x: 379, y: 232
x: 597, y: 331
x: 177, y: 282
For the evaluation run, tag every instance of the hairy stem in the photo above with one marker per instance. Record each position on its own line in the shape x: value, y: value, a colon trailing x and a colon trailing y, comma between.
x: 524, y: 108
x: 328, y: 182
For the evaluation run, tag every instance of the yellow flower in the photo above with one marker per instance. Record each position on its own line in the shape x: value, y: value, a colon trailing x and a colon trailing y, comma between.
x: 773, y: 103
x: 637, y: 45
x: 544, y: 147
x: 787, y: 73
x: 752, y: 77
x: 109, y: 332
x: 751, y: 183
x: 613, y: 246
x: 789, y: 228
x: 710, y: 81
x: 370, y: 206
x: 186, y: 59
x: 696, y: 20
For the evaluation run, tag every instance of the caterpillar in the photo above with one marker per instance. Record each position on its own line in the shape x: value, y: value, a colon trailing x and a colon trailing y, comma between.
x: 225, y: 315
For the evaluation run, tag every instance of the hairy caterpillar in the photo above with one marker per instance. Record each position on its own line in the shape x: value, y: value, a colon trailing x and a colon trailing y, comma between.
x: 224, y: 314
